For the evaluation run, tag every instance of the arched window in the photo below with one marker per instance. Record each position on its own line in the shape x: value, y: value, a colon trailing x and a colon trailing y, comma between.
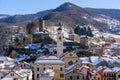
x: 70, y: 62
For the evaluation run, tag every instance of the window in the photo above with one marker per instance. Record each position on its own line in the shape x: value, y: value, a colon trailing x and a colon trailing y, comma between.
x: 71, y: 77
x: 37, y: 75
x: 50, y: 67
x: 83, y: 77
x: 37, y: 68
x: 27, y: 78
x: 61, y: 69
x: 12, y: 74
x: 15, y: 79
x: 118, y: 76
x: 77, y: 77
x: 98, y: 78
x: 1, y: 77
x: 21, y: 65
x: 61, y: 75
x: 44, y: 69
x: 76, y: 61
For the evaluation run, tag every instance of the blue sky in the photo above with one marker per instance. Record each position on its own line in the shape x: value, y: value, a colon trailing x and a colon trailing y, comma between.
x: 13, y: 7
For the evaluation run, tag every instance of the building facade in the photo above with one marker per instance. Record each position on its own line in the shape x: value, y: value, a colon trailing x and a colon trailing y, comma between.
x: 50, y: 62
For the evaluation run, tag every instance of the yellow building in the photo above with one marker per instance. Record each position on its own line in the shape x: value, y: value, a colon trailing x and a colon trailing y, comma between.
x: 49, y: 62
x: 97, y: 76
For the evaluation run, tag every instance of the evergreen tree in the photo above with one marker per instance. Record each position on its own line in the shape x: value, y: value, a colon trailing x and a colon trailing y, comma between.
x: 77, y: 30
x: 84, y: 31
x: 89, y: 32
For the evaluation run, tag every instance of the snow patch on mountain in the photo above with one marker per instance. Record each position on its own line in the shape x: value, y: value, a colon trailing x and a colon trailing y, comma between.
x: 112, y: 23
x: 3, y: 16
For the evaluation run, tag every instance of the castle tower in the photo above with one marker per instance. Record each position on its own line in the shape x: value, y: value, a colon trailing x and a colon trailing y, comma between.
x: 59, y: 42
x: 41, y: 24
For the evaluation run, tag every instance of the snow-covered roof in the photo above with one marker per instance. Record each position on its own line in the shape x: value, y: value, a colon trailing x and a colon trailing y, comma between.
x: 23, y: 72
x: 108, y: 70
x: 116, y: 69
x: 94, y: 60
x: 83, y: 36
x: 7, y: 78
x: 117, y: 60
x: 107, y: 51
x: 97, y: 62
x: 85, y: 59
x: 6, y: 61
x: 70, y: 67
x: 4, y: 58
x: 48, y: 60
x: 115, y: 46
x: 22, y: 57
x: 107, y: 59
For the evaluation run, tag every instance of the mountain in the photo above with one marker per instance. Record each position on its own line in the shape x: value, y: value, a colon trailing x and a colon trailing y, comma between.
x: 24, y: 18
x: 71, y: 15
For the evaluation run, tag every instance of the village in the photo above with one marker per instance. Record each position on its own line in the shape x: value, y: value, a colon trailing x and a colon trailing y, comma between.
x: 55, y: 57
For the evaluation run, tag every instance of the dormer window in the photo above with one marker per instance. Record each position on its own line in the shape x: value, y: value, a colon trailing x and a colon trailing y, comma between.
x: 12, y: 74
x: 71, y: 54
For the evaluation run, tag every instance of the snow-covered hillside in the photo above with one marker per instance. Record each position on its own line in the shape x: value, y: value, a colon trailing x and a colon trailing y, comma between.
x: 112, y: 24
x: 3, y: 16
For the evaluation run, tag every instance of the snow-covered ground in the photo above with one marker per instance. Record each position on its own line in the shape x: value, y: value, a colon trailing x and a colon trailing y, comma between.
x: 53, y: 32
x: 112, y: 23
x: 4, y: 16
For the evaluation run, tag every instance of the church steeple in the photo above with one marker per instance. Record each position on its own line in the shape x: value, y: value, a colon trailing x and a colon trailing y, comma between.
x: 59, y: 41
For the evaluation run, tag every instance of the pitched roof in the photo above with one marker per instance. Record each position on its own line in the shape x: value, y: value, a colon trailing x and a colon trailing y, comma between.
x: 49, y: 60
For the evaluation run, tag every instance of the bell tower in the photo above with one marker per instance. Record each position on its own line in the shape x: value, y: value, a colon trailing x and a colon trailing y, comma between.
x: 59, y: 41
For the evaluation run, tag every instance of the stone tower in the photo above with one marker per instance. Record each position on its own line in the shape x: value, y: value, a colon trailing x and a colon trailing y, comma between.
x: 59, y: 42
x: 41, y: 24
